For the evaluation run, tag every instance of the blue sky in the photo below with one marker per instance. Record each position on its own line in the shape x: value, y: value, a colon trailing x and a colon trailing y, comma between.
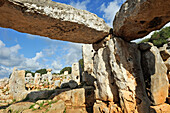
x: 31, y: 52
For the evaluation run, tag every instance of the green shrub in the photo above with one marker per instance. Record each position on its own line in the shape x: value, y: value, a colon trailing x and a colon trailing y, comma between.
x: 28, y: 71
x: 159, y: 38
x: 81, y: 62
x: 66, y: 69
x: 41, y: 71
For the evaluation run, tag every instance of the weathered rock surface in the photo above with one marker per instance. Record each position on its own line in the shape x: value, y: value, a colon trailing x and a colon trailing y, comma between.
x: 101, y: 107
x: 167, y: 63
x: 3, y: 82
x: 19, y: 107
x: 119, y: 75
x: 77, y: 97
x: 168, y: 100
x: 65, y: 85
x: 155, y: 75
x: 165, y: 52
x: 164, y: 108
x: 72, y: 84
x: 58, y: 107
x: 17, y: 85
x: 39, y: 95
x: 137, y: 18
x: 53, y: 20
x: 76, y: 72
x: 88, y: 53
x: 145, y: 46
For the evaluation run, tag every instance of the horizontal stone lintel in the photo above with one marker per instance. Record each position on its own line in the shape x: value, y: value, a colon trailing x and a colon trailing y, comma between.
x: 54, y: 20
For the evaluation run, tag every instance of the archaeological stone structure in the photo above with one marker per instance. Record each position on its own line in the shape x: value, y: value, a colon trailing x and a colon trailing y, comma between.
x: 76, y: 72
x: 137, y: 18
x: 119, y: 76
x: 49, y: 74
x: 155, y: 74
x: 17, y: 85
x: 53, y: 20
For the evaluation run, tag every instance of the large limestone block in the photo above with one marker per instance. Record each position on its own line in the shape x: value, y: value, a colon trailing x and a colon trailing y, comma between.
x: 163, y: 108
x: 76, y: 72
x: 119, y: 75
x: 155, y: 75
x: 19, y: 107
x: 88, y: 54
x: 3, y: 82
x: 77, y: 110
x: 58, y: 107
x: 101, y: 107
x: 137, y: 18
x: 167, y: 63
x: 17, y: 85
x: 76, y: 97
x: 165, y: 52
x: 39, y: 95
x: 53, y: 20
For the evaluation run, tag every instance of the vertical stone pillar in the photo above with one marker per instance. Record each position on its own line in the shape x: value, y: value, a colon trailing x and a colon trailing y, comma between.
x: 119, y: 77
x: 17, y: 85
x: 37, y: 79
x: 76, y: 72
x: 88, y: 54
x: 155, y: 74
x: 49, y: 75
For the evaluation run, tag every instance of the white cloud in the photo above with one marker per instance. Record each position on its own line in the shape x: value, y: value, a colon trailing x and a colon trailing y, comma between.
x: 57, y: 66
x: 47, y: 58
x: 38, y: 56
x: 5, y: 72
x: 31, y: 63
x: 80, y: 5
x: 50, y: 51
x: 1, y: 44
x: 110, y: 10
x: 10, y: 58
x: 74, y: 53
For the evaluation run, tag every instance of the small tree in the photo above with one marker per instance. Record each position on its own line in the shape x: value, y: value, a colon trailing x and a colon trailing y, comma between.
x: 28, y: 71
x: 81, y: 62
x: 66, y: 69
x: 159, y: 38
x: 41, y: 71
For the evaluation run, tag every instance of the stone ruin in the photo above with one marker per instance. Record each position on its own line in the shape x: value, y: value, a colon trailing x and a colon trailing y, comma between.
x: 48, y: 81
x: 119, y: 76
x: 76, y: 72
